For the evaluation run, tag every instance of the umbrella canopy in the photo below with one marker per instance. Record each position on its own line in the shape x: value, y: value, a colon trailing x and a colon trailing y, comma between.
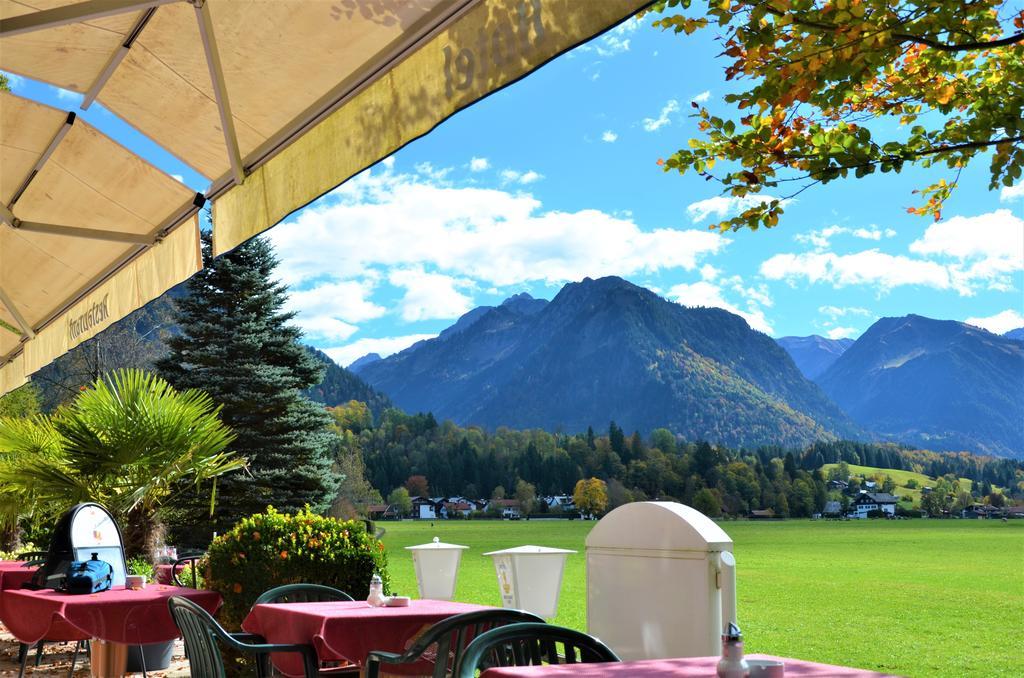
x: 275, y: 102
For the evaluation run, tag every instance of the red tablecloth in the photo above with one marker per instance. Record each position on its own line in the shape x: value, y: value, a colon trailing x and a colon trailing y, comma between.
x: 346, y: 631
x: 675, y: 668
x: 119, y: 615
x: 163, y: 573
x: 12, y: 575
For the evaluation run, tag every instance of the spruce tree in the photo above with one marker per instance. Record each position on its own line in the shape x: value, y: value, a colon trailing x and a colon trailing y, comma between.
x: 236, y: 344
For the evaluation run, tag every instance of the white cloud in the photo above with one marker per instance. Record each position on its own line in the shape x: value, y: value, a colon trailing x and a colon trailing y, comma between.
x: 839, y: 312
x: 702, y: 97
x: 822, y: 238
x: 615, y: 41
x: 609, y: 136
x: 654, y: 124
x: 870, y: 267
x: 867, y: 233
x: 325, y: 328
x: 1000, y: 323
x: 723, y: 206
x: 479, y: 164
x: 177, y: 177
x: 388, y: 162
x: 704, y: 293
x: 493, y: 237
x: 961, y: 254
x: 988, y: 248
x: 843, y: 333
x: 434, y: 173
x: 430, y: 296
x: 510, y: 176
x: 385, y: 346
x: 328, y: 310
x: 708, y: 272
x: 1006, y: 194
x: 995, y: 234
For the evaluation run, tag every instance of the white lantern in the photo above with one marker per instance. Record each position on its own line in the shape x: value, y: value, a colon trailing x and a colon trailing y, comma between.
x: 437, y: 568
x: 530, y: 578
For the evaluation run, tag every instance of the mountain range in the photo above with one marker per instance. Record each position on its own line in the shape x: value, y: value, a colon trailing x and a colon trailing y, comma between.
x: 340, y: 385
x: 938, y: 384
x: 605, y: 350
x: 814, y: 354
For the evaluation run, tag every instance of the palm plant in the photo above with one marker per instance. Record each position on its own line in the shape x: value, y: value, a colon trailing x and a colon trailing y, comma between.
x: 130, y: 442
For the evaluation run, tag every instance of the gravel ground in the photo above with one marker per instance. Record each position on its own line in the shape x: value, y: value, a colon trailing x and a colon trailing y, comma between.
x: 57, y: 660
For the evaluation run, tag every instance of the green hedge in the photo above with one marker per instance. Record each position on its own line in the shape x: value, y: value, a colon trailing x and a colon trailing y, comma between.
x: 270, y: 549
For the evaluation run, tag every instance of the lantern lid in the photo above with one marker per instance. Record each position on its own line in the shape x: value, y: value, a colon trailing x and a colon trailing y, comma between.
x: 528, y: 551
x: 436, y: 545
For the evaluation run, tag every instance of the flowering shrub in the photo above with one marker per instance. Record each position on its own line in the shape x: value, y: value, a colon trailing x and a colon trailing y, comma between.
x: 271, y: 549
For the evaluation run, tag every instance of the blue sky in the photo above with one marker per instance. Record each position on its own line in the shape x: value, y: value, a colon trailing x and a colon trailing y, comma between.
x: 555, y: 178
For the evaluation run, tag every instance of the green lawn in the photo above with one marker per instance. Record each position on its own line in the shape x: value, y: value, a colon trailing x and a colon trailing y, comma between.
x: 915, y: 598
x: 898, y: 477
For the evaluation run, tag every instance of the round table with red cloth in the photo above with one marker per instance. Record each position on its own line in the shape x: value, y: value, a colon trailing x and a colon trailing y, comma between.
x: 681, y: 667
x: 12, y: 575
x: 119, y: 615
x: 163, y: 573
x: 346, y: 630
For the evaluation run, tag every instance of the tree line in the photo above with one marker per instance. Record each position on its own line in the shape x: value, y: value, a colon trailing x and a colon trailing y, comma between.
x: 450, y: 460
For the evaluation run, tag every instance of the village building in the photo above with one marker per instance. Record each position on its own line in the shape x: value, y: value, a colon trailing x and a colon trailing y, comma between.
x: 866, y: 502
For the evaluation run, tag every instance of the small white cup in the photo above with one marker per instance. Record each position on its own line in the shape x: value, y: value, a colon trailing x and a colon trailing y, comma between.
x: 135, y: 582
x: 766, y: 668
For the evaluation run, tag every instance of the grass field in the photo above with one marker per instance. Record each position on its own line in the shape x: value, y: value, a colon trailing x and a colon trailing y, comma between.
x: 915, y: 598
x: 898, y: 477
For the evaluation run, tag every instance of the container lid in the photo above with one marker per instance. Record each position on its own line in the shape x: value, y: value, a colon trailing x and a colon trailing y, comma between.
x: 528, y: 551
x: 436, y: 545
x: 657, y: 525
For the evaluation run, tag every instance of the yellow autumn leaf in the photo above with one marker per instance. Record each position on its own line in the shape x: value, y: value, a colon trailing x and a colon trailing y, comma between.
x: 945, y: 94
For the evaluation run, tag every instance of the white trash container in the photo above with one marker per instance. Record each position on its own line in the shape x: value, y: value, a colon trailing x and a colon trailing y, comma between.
x: 661, y: 581
x: 530, y: 578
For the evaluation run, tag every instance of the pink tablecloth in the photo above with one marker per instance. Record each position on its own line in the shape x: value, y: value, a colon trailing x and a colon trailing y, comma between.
x: 683, y: 667
x: 119, y: 615
x: 346, y: 631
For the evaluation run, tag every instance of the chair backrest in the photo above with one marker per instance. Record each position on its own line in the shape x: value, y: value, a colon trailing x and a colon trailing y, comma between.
x: 32, y: 555
x: 453, y: 635
x: 189, y: 561
x: 531, y: 644
x: 301, y: 593
x: 200, y: 632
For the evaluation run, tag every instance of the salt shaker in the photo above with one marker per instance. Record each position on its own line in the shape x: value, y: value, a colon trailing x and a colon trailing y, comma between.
x: 376, y: 597
x: 732, y: 664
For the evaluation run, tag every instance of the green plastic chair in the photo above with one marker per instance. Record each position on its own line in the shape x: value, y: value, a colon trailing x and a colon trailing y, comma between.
x: 202, y: 634
x: 191, y: 561
x: 451, y: 636
x: 306, y: 593
x: 531, y: 645
x: 301, y: 593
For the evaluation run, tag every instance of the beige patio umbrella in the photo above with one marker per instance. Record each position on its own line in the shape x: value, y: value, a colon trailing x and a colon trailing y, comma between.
x: 275, y: 101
